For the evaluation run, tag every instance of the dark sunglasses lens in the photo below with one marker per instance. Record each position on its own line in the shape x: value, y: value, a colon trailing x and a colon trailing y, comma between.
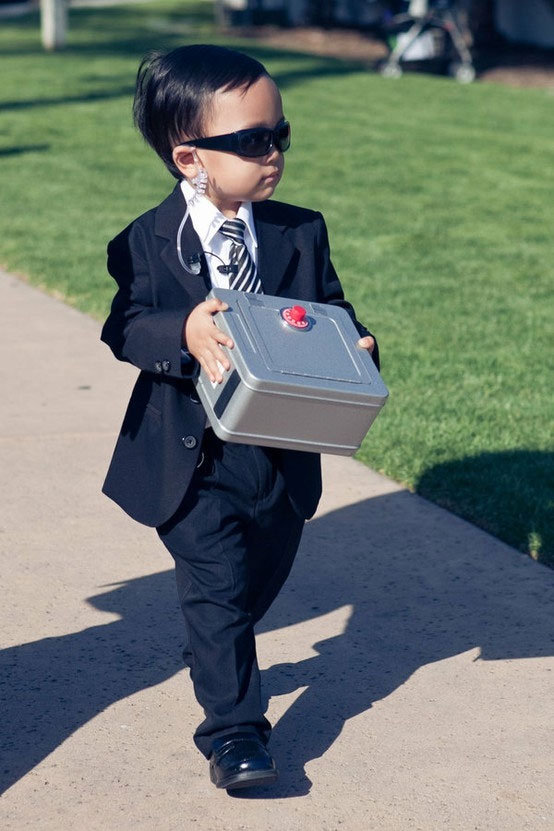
x: 282, y: 137
x: 255, y: 142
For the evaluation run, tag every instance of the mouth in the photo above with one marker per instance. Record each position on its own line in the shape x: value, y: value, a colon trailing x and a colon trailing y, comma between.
x: 272, y: 177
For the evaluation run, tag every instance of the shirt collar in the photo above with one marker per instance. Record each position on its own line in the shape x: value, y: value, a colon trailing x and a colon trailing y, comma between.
x: 207, y: 219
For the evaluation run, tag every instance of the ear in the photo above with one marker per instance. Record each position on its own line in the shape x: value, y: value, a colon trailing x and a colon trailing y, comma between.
x: 183, y: 159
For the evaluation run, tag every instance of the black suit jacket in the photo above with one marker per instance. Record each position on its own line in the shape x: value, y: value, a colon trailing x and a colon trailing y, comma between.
x: 159, y: 443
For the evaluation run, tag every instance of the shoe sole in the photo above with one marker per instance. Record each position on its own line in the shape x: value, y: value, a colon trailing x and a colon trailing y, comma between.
x: 248, y: 780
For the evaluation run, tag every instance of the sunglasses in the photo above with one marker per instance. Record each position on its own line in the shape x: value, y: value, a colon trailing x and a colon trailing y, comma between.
x: 257, y: 141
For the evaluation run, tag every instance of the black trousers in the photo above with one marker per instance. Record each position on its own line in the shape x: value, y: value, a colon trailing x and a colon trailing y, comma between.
x: 233, y: 539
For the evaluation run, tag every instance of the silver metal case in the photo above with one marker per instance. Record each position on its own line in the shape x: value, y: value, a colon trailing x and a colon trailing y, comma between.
x: 301, y: 384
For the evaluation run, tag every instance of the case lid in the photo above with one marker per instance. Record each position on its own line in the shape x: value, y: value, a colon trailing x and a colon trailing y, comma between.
x: 278, y: 340
x: 317, y: 351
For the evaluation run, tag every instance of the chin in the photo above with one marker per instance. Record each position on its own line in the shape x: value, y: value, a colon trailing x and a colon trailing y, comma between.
x: 267, y: 190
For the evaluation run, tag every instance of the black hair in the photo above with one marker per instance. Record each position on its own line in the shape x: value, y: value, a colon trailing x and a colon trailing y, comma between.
x: 174, y: 92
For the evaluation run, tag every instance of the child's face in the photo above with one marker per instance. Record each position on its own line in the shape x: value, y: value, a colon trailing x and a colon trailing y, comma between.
x: 234, y: 179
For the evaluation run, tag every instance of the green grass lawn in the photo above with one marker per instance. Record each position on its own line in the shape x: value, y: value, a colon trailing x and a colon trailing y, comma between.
x: 439, y: 201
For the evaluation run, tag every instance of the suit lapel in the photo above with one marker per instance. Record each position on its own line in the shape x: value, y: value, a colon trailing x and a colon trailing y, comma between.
x: 168, y: 219
x: 275, y: 251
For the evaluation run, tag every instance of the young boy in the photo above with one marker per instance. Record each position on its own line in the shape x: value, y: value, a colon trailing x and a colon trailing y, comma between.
x: 231, y: 515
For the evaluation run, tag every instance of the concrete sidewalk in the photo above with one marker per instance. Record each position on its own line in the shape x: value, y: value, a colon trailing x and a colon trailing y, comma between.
x: 408, y: 662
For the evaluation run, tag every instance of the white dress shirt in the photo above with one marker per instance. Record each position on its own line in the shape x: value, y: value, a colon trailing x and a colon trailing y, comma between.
x: 207, y: 220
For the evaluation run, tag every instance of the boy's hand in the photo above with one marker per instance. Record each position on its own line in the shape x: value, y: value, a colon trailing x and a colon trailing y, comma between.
x: 203, y: 338
x: 367, y: 343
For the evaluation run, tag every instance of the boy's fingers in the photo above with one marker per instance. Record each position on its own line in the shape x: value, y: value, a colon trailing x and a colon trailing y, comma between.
x: 217, y: 354
x: 213, y: 361
x: 367, y: 343
x: 222, y: 338
x: 210, y: 368
x: 214, y: 304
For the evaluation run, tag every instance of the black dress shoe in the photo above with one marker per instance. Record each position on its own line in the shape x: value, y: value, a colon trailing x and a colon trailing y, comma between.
x: 241, y: 760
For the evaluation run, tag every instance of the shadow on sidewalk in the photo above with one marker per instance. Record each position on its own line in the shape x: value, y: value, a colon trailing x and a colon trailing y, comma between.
x: 50, y: 688
x: 419, y: 591
x: 519, y: 503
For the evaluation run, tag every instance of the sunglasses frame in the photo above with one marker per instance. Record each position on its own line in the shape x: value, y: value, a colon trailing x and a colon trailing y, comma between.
x: 230, y: 142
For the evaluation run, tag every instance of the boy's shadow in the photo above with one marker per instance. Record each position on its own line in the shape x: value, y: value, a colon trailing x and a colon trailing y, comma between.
x: 417, y: 597
x: 51, y: 687
x: 414, y: 601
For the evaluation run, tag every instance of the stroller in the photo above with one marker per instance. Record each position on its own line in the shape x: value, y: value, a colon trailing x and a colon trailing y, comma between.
x: 428, y: 30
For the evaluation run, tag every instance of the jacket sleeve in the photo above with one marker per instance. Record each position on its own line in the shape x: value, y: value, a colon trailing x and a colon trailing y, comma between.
x: 330, y: 284
x: 135, y: 330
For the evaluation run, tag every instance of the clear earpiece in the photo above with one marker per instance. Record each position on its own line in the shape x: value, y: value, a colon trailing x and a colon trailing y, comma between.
x: 200, y: 181
x: 192, y: 265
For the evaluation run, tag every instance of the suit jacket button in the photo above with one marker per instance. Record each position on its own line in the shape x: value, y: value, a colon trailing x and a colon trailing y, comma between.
x: 166, y: 366
x: 190, y: 442
x: 158, y: 366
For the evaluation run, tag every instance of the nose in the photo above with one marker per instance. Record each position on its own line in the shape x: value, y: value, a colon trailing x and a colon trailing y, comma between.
x: 273, y: 154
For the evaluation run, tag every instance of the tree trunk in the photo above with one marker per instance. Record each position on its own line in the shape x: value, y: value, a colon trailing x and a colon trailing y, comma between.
x: 234, y: 12
x: 220, y: 15
x: 53, y: 23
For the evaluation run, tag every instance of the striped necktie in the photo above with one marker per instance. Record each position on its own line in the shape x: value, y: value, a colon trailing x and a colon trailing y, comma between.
x: 246, y: 278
